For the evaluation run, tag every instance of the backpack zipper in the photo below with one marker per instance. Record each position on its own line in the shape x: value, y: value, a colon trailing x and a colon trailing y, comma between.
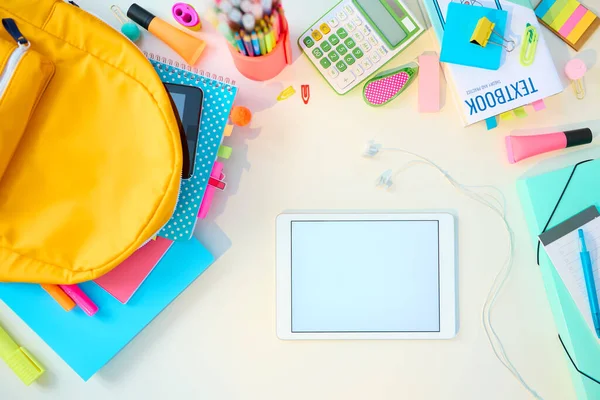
x: 15, y: 57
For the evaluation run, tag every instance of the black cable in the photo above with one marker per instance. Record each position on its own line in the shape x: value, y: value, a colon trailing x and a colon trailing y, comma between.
x: 573, y: 362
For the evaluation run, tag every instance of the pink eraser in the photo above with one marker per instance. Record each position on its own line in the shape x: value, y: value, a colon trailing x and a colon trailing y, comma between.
x: 429, y: 83
x: 210, y: 190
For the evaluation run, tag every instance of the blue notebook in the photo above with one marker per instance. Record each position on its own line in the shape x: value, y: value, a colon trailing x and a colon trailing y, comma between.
x: 88, y: 343
x: 457, y: 48
x: 218, y: 100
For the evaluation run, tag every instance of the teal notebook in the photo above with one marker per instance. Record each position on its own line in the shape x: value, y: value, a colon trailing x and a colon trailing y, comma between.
x: 219, y: 94
x: 539, y: 196
x: 88, y: 343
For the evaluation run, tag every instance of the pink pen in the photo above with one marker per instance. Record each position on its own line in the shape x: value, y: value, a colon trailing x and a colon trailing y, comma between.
x: 80, y: 298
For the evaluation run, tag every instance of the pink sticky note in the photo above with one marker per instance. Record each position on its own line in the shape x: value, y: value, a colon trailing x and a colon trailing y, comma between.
x: 123, y: 281
x: 539, y: 105
x: 210, y: 190
x: 429, y: 83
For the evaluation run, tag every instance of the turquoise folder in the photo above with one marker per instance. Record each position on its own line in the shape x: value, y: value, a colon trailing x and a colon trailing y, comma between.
x: 539, y: 196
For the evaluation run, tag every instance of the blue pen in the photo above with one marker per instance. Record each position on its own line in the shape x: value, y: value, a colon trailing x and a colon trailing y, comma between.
x: 240, y: 44
x: 590, y: 284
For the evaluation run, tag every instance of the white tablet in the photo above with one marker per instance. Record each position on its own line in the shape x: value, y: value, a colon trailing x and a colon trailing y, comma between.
x: 366, y: 276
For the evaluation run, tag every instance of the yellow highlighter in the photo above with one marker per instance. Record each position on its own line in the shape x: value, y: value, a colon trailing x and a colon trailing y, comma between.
x: 19, y: 360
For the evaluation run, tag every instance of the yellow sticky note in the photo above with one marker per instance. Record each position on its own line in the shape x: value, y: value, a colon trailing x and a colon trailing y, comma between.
x: 581, y: 27
x: 228, y: 130
x: 507, y: 116
x: 564, y: 15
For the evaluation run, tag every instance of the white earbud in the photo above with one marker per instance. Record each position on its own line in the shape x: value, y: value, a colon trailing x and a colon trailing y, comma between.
x: 372, y: 149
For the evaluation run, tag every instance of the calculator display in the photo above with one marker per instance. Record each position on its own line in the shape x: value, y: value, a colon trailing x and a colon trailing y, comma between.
x: 385, y: 16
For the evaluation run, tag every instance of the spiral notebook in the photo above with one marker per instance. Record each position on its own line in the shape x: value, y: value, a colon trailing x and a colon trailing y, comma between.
x: 219, y: 94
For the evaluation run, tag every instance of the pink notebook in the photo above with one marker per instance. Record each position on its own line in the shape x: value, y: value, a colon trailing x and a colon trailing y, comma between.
x: 123, y: 281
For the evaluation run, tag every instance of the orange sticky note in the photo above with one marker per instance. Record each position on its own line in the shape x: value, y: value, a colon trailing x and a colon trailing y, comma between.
x: 228, y: 130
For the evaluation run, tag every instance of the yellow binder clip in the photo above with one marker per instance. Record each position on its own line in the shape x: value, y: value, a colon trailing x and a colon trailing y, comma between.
x: 483, y: 32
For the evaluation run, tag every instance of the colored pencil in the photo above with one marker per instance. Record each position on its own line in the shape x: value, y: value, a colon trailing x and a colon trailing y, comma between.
x: 240, y: 44
x: 261, y: 43
x: 255, y: 44
x: 248, y: 44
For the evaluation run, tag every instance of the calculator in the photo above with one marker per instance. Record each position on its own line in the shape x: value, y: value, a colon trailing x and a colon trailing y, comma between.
x: 356, y: 38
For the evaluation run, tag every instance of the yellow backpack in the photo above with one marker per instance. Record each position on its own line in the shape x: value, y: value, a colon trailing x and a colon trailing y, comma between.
x: 90, y: 149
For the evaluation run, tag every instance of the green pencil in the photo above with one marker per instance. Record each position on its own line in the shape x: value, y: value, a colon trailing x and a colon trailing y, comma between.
x: 261, y: 43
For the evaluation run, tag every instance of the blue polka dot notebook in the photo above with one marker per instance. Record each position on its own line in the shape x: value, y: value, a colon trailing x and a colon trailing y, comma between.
x: 219, y: 94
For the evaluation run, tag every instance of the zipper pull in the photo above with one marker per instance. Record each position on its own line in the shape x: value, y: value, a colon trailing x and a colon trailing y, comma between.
x: 13, y: 30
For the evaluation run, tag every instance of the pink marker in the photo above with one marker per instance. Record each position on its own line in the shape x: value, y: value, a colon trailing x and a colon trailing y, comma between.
x: 80, y: 298
x: 217, y: 176
x: 521, y: 147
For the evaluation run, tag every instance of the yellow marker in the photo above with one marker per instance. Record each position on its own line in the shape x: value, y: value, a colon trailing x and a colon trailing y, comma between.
x: 286, y: 93
x: 19, y: 360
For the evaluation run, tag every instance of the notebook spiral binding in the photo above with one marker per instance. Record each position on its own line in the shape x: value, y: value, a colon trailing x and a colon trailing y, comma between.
x: 200, y: 75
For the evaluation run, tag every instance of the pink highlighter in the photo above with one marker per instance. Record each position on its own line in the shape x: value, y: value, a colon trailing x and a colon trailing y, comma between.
x: 80, y: 298
x: 521, y: 147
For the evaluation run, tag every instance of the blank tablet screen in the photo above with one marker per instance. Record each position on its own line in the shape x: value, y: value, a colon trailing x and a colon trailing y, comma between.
x: 365, y: 276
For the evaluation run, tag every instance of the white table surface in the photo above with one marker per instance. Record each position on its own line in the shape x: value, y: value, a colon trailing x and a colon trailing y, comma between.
x: 217, y: 340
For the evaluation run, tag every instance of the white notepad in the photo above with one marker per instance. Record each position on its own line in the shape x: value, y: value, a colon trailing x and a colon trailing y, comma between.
x: 562, y: 245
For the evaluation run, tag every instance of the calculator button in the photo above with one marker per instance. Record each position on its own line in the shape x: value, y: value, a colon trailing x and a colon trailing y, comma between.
x: 366, y: 64
x: 349, y: 59
x: 350, y: 43
x: 325, y: 46
x: 373, y: 40
x: 341, y: 66
x: 325, y: 63
x: 349, y: 9
x: 375, y: 58
x: 325, y: 28
x: 341, y: 49
x: 358, y: 70
x: 334, y: 39
x: 345, y: 80
x: 308, y: 42
x: 357, y: 53
x: 382, y: 51
x: 366, y: 30
x: 317, y: 35
x: 342, y: 33
x: 317, y: 52
x: 357, y: 21
x: 333, y: 22
x: 341, y: 15
x: 358, y: 36
x: 333, y: 56
x: 333, y: 72
x: 365, y: 46
x: 350, y: 26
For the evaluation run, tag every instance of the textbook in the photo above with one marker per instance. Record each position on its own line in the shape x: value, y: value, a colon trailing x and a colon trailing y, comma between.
x: 482, y: 93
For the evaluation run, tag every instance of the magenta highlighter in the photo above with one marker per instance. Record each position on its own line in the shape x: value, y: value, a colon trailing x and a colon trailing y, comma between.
x: 521, y: 147
x: 80, y: 298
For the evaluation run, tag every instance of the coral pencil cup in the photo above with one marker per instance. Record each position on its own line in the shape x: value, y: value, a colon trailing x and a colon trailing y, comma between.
x: 59, y: 295
x: 80, y: 298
